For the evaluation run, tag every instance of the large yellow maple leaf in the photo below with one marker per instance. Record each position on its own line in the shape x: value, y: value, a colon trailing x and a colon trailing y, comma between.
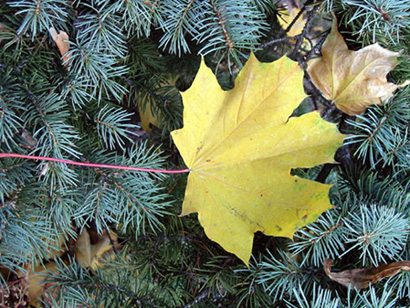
x: 352, y: 79
x: 240, y: 146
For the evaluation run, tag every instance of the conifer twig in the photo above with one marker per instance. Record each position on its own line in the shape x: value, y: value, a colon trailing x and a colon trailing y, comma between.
x: 229, y: 43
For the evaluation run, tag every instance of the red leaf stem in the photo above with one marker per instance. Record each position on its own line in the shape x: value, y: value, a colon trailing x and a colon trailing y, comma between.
x: 70, y: 162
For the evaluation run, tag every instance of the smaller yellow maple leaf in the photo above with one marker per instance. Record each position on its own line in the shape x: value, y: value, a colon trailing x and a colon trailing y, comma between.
x: 36, y: 285
x: 148, y: 117
x: 88, y: 254
x: 352, y: 79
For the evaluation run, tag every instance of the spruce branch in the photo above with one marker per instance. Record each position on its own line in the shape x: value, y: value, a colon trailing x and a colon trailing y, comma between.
x: 113, y: 125
x: 310, y: 15
x: 73, y: 285
x: 321, y: 298
x: 378, y: 232
x: 101, y: 28
x: 138, y: 16
x: 185, y: 16
x: 40, y: 15
x: 13, y: 176
x: 100, y: 68
x: 218, y: 14
x: 371, y: 19
x: 27, y: 237
x: 279, y: 276
x: 77, y: 90
x: 266, y: 6
x: 320, y: 240
x: 278, y: 40
x: 381, y: 135
x: 371, y: 299
x: 10, y: 109
x: 400, y: 284
x: 224, y: 28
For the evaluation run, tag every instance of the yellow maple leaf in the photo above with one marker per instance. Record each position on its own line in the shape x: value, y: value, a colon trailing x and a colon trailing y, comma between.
x: 352, y: 79
x: 240, y: 146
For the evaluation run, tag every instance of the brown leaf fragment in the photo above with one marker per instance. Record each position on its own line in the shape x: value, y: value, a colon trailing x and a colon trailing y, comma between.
x: 28, y: 141
x: 62, y: 42
x: 360, y: 278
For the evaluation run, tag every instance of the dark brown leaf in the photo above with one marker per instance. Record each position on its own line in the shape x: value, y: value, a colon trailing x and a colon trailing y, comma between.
x: 360, y: 278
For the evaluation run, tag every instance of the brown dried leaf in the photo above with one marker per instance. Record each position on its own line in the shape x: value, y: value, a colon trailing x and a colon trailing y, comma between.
x: 62, y: 42
x: 352, y: 79
x: 28, y: 141
x: 360, y: 278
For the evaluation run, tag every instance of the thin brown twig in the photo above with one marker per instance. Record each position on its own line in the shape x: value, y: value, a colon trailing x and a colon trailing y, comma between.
x: 222, y: 24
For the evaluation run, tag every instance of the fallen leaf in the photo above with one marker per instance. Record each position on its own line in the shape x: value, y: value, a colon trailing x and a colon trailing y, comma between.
x: 87, y: 254
x: 88, y: 247
x: 28, y: 141
x: 286, y: 19
x: 62, y: 41
x: 148, y: 117
x: 360, y: 278
x: 35, y: 280
x: 240, y: 146
x: 351, y: 79
x: 146, y: 114
x: 35, y: 276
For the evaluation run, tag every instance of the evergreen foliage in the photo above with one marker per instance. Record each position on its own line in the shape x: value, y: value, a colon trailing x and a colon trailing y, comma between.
x: 130, y: 56
x: 372, y: 19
